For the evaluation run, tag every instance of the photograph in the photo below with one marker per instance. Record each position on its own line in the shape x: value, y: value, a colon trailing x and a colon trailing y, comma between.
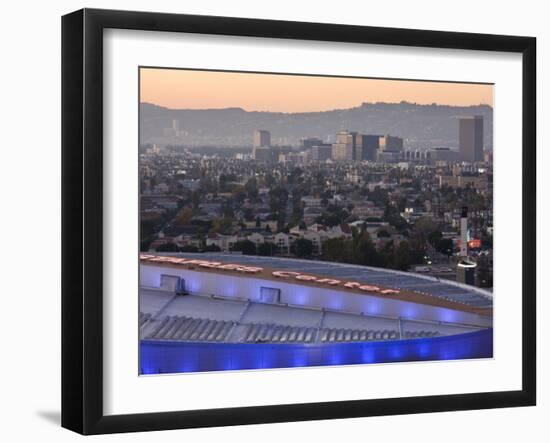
x: 275, y: 222
x: 301, y: 220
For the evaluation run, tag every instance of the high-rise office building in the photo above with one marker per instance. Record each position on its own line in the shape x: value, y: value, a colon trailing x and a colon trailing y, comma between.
x: 470, y: 138
x: 367, y: 146
x: 264, y: 154
x: 308, y: 143
x: 261, y: 146
x: 390, y: 149
x: 390, y: 143
x: 345, y: 147
x: 321, y: 152
x: 262, y: 138
x: 443, y: 154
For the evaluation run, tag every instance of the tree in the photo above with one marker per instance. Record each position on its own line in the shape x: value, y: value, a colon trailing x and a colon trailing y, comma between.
x: 251, y: 187
x: 484, y: 272
x: 333, y: 217
x: 366, y: 253
x: 387, y: 254
x: 145, y: 243
x: 195, y: 199
x: 379, y: 196
x: 221, y: 225
x: 393, y: 217
x: 269, y: 180
x: 281, y: 217
x: 423, y: 227
x: 211, y: 248
x: 402, y: 257
x: 183, y: 217
x: 266, y: 249
x: 277, y: 199
x: 149, y: 225
x: 239, y: 194
x: 227, y: 210
x: 486, y: 240
x: 435, y: 237
x: 294, y: 176
x: 302, y: 248
x: 168, y: 247
x: 445, y: 246
x: 226, y: 180
x: 424, y: 230
x: 248, y: 214
x: 338, y: 250
x: 189, y: 248
x: 245, y: 246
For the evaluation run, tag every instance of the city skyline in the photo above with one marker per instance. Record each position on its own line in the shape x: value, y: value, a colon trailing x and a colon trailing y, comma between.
x: 283, y: 239
x: 256, y: 92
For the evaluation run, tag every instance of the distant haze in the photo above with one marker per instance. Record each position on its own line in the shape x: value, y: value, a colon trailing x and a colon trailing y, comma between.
x: 421, y: 126
x: 193, y: 89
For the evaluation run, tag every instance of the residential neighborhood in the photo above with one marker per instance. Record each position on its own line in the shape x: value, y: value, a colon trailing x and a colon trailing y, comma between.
x: 372, y: 203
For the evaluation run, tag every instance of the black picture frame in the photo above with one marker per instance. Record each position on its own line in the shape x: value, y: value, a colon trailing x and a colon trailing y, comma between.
x: 82, y: 215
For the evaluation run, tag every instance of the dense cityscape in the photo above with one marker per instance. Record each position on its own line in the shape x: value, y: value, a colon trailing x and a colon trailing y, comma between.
x: 363, y: 199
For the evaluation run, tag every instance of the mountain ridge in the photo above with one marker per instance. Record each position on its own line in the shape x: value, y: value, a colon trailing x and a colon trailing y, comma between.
x: 421, y: 125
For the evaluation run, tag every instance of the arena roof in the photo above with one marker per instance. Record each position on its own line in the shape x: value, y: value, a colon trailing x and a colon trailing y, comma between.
x: 433, y: 286
x: 210, y: 318
x: 193, y: 318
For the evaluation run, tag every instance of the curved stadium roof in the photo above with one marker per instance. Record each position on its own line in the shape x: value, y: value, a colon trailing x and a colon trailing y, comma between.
x: 433, y: 286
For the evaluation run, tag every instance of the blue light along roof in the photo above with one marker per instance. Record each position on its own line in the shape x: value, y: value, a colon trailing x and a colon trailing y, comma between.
x: 158, y: 357
x: 445, y: 289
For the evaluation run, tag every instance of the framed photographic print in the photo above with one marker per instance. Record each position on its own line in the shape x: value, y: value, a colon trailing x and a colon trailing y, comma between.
x: 270, y: 221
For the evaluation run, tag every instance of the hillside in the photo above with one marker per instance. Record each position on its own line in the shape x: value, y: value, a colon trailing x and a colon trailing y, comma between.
x: 422, y: 126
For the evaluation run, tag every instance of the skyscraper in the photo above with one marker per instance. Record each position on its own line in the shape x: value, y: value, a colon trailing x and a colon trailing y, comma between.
x: 261, y: 146
x: 369, y: 146
x: 262, y: 138
x: 321, y: 152
x: 345, y: 147
x: 390, y: 143
x: 470, y: 138
x: 308, y: 143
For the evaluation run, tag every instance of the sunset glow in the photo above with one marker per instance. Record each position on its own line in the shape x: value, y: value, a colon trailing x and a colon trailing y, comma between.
x: 191, y: 89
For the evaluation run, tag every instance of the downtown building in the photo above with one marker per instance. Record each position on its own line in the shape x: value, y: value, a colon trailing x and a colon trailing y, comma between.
x: 390, y: 148
x: 370, y: 144
x: 262, y: 138
x: 345, y: 147
x: 321, y: 152
x: 262, y: 150
x: 352, y: 146
x: 470, y: 138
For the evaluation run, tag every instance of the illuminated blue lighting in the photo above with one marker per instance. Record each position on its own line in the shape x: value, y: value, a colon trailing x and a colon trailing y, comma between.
x: 301, y: 297
x: 335, y: 302
x: 193, y: 283
x: 172, y: 357
x: 396, y: 353
x: 299, y: 359
x: 423, y: 350
x: 336, y: 356
x: 448, y: 316
x: 409, y: 311
x: 373, y: 307
x: 230, y: 289
x: 368, y: 355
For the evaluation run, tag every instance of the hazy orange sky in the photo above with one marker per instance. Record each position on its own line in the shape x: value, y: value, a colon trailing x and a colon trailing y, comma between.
x: 191, y: 89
